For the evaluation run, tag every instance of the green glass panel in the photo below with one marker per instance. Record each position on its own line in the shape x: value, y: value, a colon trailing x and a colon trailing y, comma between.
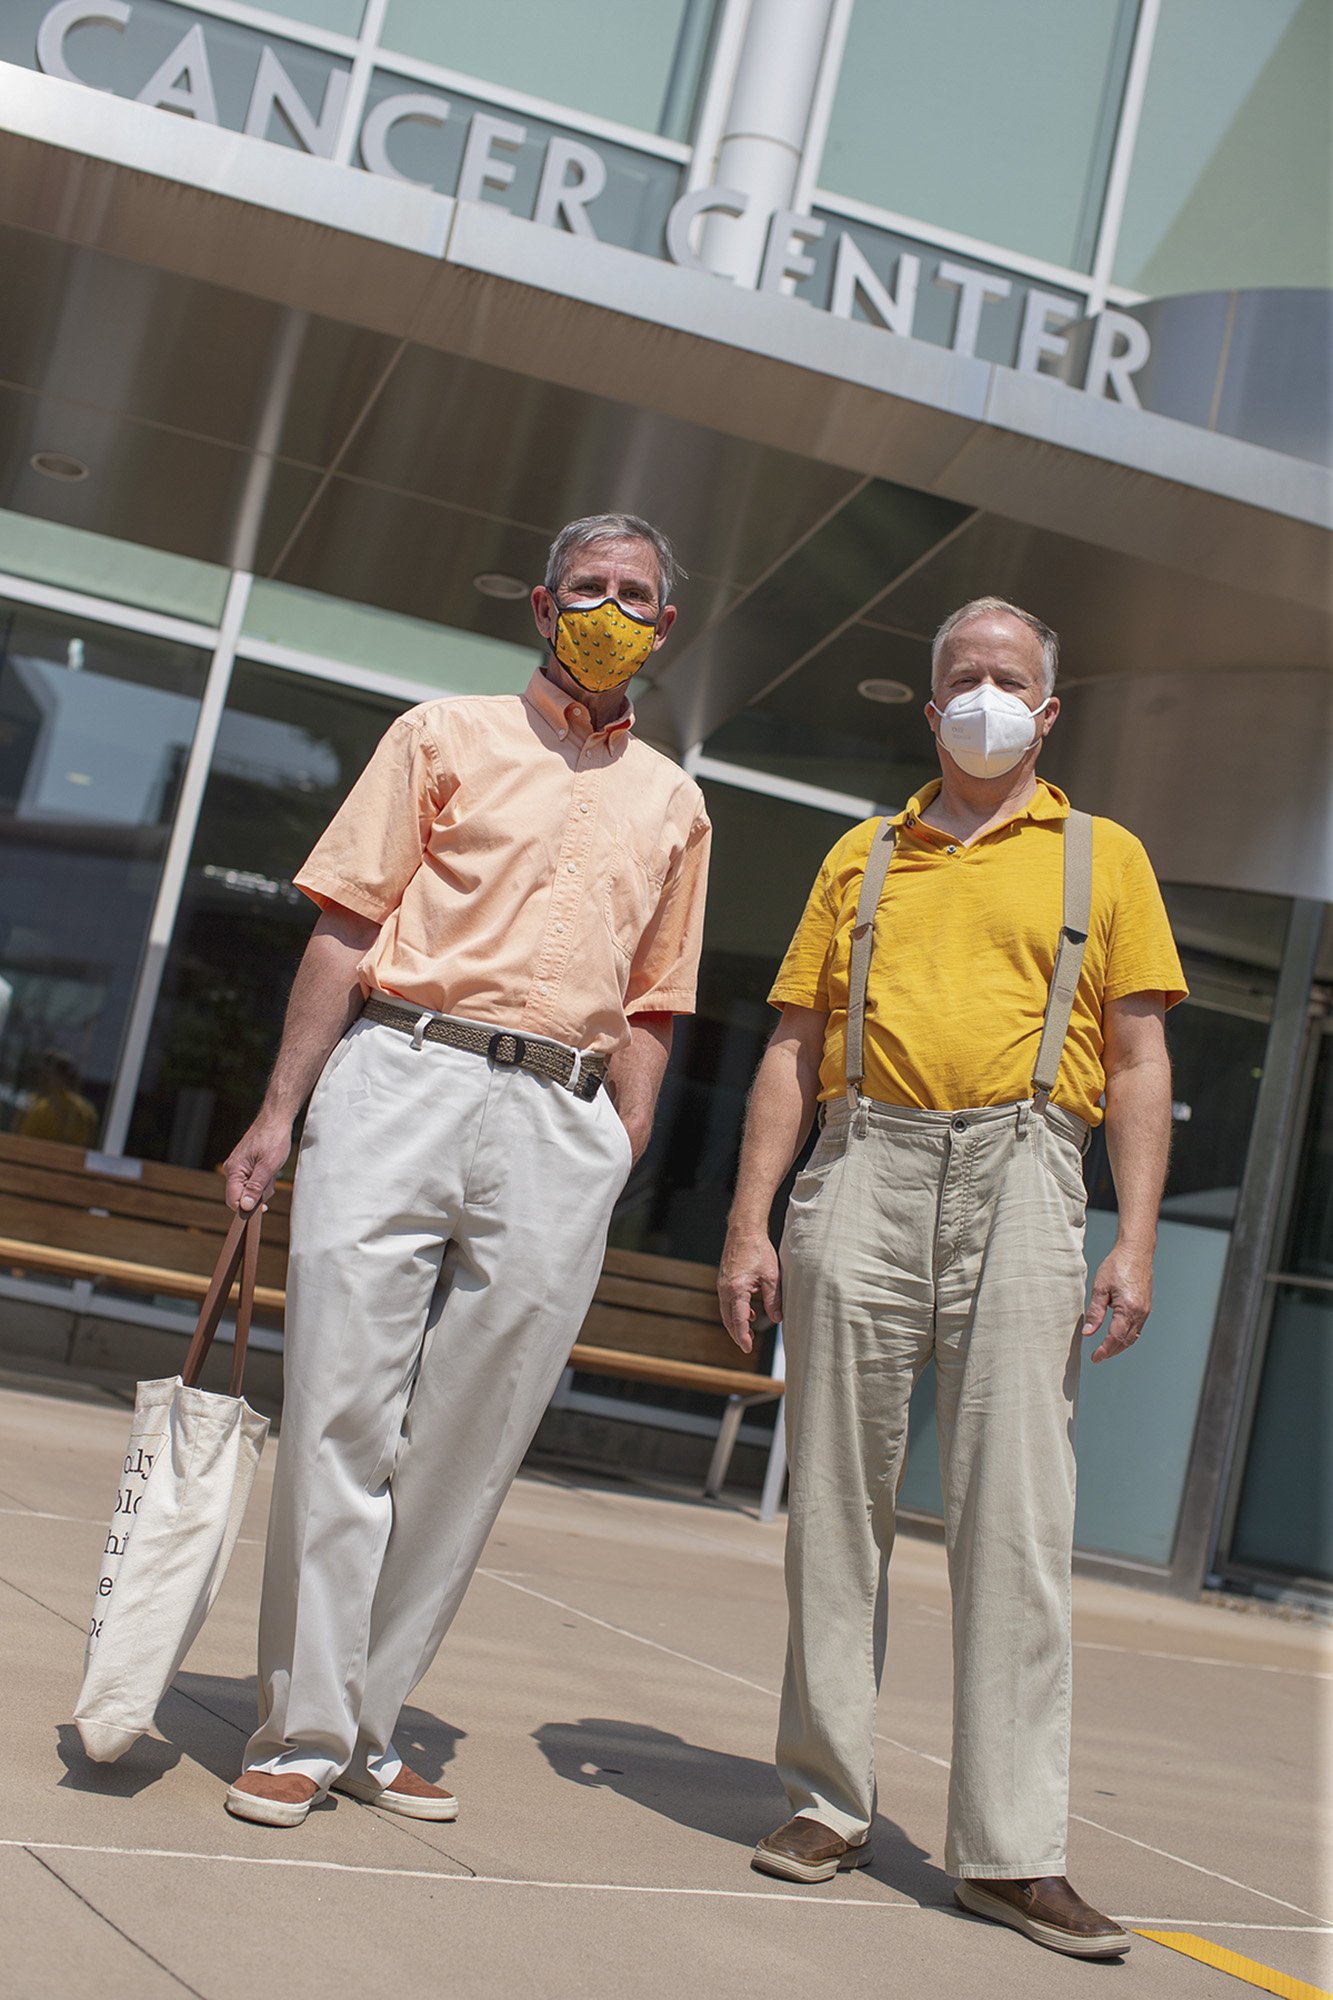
x: 1230, y: 185
x: 436, y: 656
x: 77, y: 560
x: 586, y: 55
x: 342, y: 16
x: 1285, y: 1520
x: 987, y: 120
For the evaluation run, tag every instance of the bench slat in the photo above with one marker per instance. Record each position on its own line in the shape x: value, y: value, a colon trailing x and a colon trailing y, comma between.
x: 148, y: 1243
x: 661, y: 1333
x: 156, y: 1174
x: 642, y: 1296
x: 670, y: 1374
x: 662, y: 1270
x: 83, y: 1191
x: 120, y: 1271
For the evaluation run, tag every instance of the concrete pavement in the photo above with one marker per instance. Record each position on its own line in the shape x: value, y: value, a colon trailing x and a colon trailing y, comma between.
x: 604, y: 1708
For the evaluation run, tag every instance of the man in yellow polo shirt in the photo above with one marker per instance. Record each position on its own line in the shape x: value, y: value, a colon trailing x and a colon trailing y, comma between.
x: 971, y: 981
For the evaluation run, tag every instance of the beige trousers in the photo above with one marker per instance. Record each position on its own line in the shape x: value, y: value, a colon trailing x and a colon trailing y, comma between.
x: 914, y: 1234
x: 448, y: 1226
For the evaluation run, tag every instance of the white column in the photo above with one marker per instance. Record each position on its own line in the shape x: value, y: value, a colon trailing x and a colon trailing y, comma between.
x: 134, y: 1047
x: 786, y: 55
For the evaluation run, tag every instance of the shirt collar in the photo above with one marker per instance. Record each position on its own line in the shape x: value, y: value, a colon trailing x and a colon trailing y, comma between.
x: 567, y: 716
x: 1048, y: 802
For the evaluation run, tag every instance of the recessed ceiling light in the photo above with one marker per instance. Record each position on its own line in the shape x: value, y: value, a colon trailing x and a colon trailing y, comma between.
x: 58, y: 465
x: 886, y: 691
x: 494, y: 583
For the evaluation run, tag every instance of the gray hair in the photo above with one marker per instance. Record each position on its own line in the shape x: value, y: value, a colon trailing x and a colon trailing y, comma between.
x: 596, y: 528
x: 981, y: 607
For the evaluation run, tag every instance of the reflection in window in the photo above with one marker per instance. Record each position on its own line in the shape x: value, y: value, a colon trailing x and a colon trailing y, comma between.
x: 994, y: 121
x: 1285, y: 1518
x: 95, y: 730
x: 288, y: 751
x: 766, y: 854
x: 1230, y: 944
x: 1230, y: 182
x: 642, y: 70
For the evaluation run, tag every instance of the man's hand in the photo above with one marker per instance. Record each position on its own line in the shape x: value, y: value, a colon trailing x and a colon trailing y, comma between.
x: 749, y: 1265
x: 1122, y: 1287
x: 254, y: 1166
x: 634, y: 1077
x: 777, y: 1119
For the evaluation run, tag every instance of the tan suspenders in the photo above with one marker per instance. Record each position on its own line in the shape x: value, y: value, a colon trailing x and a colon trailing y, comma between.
x: 1064, y: 978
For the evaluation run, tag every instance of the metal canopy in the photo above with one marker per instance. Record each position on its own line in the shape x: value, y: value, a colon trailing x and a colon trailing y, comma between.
x: 384, y: 420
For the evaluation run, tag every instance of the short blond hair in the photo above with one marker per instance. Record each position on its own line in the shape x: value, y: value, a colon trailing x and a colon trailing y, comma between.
x: 981, y: 607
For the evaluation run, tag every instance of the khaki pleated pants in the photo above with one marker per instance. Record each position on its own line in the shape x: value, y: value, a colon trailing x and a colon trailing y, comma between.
x: 448, y: 1226
x: 958, y: 1236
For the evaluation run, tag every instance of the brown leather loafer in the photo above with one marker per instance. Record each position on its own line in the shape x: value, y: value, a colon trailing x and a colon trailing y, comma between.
x: 408, y: 1794
x: 1048, y: 1911
x: 805, y: 1850
x: 272, y: 1798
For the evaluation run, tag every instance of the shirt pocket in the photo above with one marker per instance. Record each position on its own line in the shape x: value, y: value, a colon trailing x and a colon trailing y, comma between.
x: 630, y: 899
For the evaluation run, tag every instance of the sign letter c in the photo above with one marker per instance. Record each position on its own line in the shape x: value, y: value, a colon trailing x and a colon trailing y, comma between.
x: 56, y: 25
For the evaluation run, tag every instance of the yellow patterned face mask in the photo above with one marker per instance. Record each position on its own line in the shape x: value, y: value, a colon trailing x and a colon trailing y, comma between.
x: 602, y: 646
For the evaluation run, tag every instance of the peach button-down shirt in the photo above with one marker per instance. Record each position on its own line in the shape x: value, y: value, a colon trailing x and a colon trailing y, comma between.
x: 525, y: 869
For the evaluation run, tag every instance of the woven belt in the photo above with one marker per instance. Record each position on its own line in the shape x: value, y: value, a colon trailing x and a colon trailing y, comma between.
x: 501, y: 1046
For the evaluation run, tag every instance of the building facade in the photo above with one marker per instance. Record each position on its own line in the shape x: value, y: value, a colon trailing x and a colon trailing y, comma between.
x: 319, y: 320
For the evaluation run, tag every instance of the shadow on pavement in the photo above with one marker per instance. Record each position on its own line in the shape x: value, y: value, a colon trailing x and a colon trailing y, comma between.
x: 131, y: 1774
x: 732, y: 1798
x: 209, y: 1718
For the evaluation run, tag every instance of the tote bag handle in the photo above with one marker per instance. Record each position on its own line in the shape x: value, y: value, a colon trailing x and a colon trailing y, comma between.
x: 240, y: 1248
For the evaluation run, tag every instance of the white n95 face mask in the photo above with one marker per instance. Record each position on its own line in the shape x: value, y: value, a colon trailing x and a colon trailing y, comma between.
x: 986, y: 731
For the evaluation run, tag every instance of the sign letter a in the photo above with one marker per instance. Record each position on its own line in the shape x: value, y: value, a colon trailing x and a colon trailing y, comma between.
x: 275, y: 89
x: 188, y: 60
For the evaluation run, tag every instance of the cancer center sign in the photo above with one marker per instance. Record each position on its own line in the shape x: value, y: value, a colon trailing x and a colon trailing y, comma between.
x: 290, y: 93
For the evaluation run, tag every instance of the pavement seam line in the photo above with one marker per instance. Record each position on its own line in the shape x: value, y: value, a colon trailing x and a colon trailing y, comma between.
x: 440, y: 1875
x: 49, y: 1609
x: 1248, y: 1969
x: 110, y: 1922
x: 1199, y: 1660
x: 1199, y: 1869
x: 690, y: 1660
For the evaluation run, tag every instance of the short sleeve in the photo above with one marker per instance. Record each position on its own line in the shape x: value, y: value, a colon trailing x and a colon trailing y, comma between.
x: 803, y: 976
x: 373, y: 845
x: 664, y: 976
x: 1141, y: 954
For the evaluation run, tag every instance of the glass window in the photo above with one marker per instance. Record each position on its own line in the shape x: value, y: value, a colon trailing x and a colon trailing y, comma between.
x: 1231, y: 176
x: 1230, y: 944
x: 49, y: 552
x: 288, y: 752
x: 766, y: 853
x: 410, y: 649
x: 640, y: 69
x: 95, y: 730
x: 993, y: 121
x: 342, y: 16
x: 1285, y: 1517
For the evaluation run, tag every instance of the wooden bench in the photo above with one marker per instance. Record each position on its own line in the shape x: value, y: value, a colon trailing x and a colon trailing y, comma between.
x: 656, y: 1319
x: 143, y: 1227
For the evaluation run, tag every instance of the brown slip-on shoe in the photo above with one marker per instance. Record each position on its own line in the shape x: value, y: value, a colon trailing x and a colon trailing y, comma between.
x: 805, y: 1850
x: 1048, y: 1911
x: 272, y: 1798
x: 406, y: 1794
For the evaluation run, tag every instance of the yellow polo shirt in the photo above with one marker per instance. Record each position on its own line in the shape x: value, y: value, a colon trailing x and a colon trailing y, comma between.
x: 965, y: 945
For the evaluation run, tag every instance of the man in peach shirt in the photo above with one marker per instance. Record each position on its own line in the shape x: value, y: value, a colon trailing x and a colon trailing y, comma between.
x: 511, y: 913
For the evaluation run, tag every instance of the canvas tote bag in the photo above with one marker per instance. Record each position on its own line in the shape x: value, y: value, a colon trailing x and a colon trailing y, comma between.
x: 188, y: 1473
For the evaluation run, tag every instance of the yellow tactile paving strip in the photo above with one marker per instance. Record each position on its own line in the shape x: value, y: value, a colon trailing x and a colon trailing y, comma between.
x: 1248, y: 1969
